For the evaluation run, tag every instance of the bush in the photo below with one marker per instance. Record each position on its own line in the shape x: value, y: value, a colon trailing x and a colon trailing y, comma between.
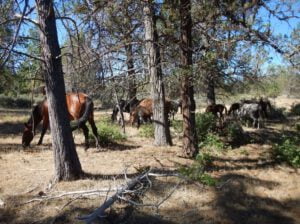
x: 212, y: 141
x: 205, y: 123
x: 197, y: 172
x: 147, y: 131
x: 277, y: 113
x: 11, y: 102
x: 177, y: 126
x: 289, y: 151
x: 108, y: 133
x: 233, y: 132
x: 295, y: 110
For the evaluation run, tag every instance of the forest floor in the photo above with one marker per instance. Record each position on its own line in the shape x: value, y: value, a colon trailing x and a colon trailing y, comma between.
x: 251, y: 186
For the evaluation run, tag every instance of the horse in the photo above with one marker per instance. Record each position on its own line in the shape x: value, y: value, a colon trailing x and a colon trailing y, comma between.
x: 144, y: 111
x: 126, y: 106
x: 174, y: 107
x: 253, y: 111
x: 80, y: 108
x: 234, y: 108
x: 217, y: 110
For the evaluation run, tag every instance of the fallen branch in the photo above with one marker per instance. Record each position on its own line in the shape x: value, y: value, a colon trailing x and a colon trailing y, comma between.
x: 99, y: 192
x: 100, y: 212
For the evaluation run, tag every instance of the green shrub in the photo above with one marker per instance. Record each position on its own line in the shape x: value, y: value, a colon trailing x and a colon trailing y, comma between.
x: 295, y: 110
x: 108, y: 133
x: 289, y: 151
x: 277, y: 113
x: 212, y: 141
x: 197, y: 172
x: 12, y: 102
x: 297, y: 127
x: 205, y: 123
x: 233, y: 132
x: 147, y: 131
x: 177, y: 126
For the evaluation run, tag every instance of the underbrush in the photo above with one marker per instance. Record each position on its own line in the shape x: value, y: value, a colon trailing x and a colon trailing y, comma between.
x: 12, y: 102
x: 210, y: 135
x: 212, y: 139
x: 177, y: 126
x: 205, y: 123
x: 146, y: 131
x: 288, y: 151
x: 197, y: 171
x: 108, y: 132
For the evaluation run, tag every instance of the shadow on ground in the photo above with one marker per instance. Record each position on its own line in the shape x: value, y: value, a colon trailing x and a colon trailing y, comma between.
x: 238, y: 206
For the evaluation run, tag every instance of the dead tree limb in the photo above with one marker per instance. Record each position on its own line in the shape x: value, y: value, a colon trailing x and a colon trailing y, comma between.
x: 100, y: 212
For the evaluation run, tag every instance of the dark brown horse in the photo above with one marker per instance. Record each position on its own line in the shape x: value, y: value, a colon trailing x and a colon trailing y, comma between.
x: 144, y: 111
x: 219, y: 110
x: 80, y: 108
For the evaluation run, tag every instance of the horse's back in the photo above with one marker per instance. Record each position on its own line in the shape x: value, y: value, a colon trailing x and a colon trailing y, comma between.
x: 76, y: 104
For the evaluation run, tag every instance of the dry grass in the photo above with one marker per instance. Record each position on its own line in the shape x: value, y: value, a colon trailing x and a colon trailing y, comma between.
x: 251, y: 188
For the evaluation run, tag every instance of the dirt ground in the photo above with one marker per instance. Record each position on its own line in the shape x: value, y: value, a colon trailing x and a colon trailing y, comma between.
x: 251, y: 188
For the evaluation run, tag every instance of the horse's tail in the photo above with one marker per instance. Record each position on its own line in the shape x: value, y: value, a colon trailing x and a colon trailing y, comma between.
x: 89, y: 106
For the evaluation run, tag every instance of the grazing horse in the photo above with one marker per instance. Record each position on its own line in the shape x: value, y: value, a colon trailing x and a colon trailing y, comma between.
x: 253, y: 111
x: 144, y: 111
x: 80, y: 108
x: 127, y: 106
x: 234, y: 108
x: 219, y: 110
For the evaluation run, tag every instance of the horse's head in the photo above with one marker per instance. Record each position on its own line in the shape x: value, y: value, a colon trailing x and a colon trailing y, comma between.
x: 27, y: 135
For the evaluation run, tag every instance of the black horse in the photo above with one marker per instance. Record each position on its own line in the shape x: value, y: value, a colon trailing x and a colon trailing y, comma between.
x: 126, y: 105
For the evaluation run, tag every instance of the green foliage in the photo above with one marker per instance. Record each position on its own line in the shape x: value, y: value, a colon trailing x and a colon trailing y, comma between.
x: 108, y: 132
x: 177, y: 126
x: 147, y: 131
x: 297, y: 127
x: 12, y: 102
x: 197, y: 172
x: 212, y: 141
x: 234, y: 132
x: 295, y: 110
x: 205, y: 123
x: 289, y: 151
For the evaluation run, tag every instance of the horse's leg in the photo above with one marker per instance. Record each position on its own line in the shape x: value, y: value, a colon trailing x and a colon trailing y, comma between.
x: 95, y: 131
x: 86, y: 136
x: 44, y: 129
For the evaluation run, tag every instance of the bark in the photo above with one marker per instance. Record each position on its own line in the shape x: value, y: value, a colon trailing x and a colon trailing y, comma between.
x: 187, y: 90
x: 131, y: 72
x: 67, y: 165
x: 162, y: 134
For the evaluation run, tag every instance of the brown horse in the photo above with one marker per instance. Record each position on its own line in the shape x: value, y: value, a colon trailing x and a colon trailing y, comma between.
x: 80, y: 108
x: 217, y: 110
x: 144, y: 111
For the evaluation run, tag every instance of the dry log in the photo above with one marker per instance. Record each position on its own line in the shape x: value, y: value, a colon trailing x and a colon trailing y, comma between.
x: 100, y: 212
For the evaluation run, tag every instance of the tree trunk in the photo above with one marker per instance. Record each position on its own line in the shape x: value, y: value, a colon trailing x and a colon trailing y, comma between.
x: 210, y: 90
x: 131, y: 72
x: 187, y: 90
x: 162, y: 134
x: 67, y: 165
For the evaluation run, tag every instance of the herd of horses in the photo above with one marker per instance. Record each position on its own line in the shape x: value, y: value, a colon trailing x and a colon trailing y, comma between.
x: 81, y: 109
x: 249, y: 110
